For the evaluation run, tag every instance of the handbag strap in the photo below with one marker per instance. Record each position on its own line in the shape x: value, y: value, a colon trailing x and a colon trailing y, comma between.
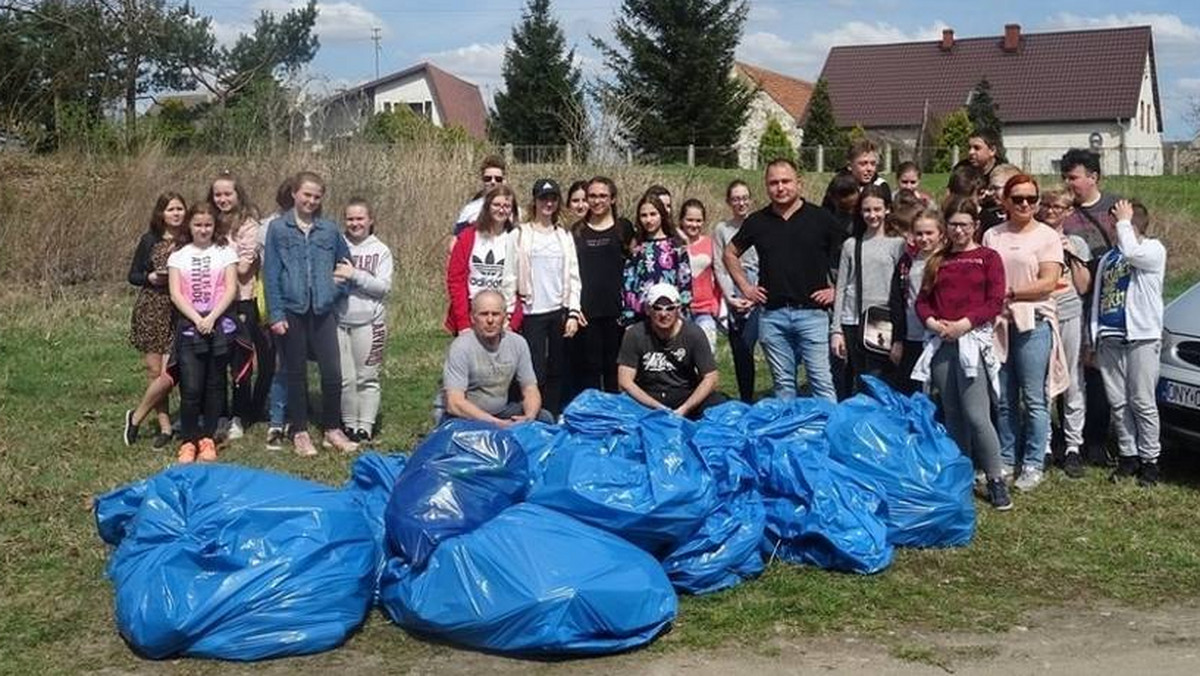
x: 1088, y: 215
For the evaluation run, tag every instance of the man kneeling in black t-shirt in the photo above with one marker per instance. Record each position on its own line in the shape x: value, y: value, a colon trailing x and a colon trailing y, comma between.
x: 665, y: 361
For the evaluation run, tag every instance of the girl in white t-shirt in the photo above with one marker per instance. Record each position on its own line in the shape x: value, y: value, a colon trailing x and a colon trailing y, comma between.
x: 202, y: 277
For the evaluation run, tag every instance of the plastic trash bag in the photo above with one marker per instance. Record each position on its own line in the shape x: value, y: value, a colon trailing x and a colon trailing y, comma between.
x: 461, y: 475
x: 372, y: 479
x: 893, y: 440
x: 232, y: 563
x: 725, y: 550
x: 817, y: 511
x: 642, y: 480
x: 536, y: 582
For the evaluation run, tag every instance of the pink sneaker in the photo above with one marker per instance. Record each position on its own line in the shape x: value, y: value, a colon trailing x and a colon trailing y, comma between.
x: 302, y: 445
x: 337, y: 439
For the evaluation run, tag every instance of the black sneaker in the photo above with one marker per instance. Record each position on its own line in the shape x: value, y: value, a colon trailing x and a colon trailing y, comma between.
x: 275, y: 438
x: 131, y: 430
x: 997, y: 495
x: 1127, y: 468
x: 1073, y: 465
x: 161, y: 441
x: 362, y: 437
x: 1148, y: 475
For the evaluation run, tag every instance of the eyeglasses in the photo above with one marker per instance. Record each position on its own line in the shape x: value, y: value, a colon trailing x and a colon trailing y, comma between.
x: 1057, y: 207
x: 960, y: 225
x: 493, y: 179
x: 597, y: 196
x: 665, y: 308
x: 1023, y: 199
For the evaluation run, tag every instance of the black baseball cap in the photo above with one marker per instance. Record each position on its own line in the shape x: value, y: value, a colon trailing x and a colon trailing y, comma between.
x: 544, y: 187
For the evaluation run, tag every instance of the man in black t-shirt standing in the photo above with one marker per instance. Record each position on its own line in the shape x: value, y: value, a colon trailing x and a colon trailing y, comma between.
x: 665, y: 361
x: 797, y: 243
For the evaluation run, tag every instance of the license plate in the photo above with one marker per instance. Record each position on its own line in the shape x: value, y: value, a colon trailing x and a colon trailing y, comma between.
x: 1179, y: 394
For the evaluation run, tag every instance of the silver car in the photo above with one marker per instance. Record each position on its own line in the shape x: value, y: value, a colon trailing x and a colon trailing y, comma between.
x: 1179, y: 376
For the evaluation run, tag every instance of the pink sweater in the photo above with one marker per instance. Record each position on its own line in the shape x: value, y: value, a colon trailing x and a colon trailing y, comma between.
x: 706, y: 299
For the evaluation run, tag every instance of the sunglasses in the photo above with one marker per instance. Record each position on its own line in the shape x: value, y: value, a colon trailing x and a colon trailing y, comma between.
x: 664, y: 308
x: 493, y: 179
x: 1023, y: 199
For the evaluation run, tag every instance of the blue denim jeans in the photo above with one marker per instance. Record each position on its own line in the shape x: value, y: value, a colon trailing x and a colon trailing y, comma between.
x: 1026, y: 419
x: 792, y: 335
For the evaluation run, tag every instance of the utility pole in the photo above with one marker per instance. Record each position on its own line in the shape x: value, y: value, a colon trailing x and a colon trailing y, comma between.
x: 376, y: 36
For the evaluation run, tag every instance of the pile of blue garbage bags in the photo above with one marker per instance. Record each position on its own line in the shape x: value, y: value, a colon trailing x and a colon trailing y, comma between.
x: 536, y: 540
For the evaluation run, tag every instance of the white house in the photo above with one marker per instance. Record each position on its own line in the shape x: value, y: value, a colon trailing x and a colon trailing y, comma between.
x: 1053, y: 91
x: 444, y: 98
x: 779, y: 96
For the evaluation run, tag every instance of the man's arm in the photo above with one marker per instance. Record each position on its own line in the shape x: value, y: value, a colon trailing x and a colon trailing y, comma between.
x: 459, y: 406
x: 626, y: 376
x: 705, y: 387
x: 531, y: 402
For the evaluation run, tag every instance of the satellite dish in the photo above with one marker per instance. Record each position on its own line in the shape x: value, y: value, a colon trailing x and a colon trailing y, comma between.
x: 1096, y: 141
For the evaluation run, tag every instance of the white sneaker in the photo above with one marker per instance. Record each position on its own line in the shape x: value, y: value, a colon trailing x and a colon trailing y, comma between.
x: 1029, y: 479
x: 235, y: 428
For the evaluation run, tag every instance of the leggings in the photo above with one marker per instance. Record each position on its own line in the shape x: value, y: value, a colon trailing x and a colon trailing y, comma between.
x: 547, y: 348
x: 968, y: 406
x: 317, y: 334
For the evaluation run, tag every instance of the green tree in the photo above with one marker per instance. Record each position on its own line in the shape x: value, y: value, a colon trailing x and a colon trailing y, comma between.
x: 774, y: 143
x: 982, y: 109
x: 955, y: 130
x: 401, y: 125
x: 820, y: 127
x: 541, y: 84
x: 671, y: 62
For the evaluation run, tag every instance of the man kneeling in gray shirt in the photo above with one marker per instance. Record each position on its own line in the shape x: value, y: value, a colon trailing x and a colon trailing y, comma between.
x: 481, y: 365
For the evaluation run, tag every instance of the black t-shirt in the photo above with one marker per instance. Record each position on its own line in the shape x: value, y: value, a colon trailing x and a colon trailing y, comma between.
x: 601, y: 255
x: 668, y: 370
x: 794, y: 256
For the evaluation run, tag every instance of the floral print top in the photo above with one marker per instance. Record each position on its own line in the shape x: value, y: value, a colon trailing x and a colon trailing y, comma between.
x: 658, y: 260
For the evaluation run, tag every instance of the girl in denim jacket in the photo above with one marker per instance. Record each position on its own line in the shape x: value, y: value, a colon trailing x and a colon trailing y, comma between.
x: 301, y: 261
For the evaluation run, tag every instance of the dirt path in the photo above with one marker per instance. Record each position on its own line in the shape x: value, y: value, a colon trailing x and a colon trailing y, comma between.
x: 1105, y: 641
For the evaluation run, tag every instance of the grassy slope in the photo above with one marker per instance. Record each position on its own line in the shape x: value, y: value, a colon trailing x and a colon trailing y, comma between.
x: 66, y: 374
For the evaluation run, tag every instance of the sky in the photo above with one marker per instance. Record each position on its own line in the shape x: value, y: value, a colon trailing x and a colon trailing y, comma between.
x: 467, y: 37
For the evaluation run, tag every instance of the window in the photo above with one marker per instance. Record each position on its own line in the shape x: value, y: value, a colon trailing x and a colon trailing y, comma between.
x: 424, y: 108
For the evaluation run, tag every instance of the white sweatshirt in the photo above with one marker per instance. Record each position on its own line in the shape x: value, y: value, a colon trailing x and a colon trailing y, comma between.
x: 370, y: 285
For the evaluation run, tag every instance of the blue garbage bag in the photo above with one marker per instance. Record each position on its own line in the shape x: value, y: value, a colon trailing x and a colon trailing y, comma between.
x: 725, y: 550
x: 533, y: 581
x: 600, y: 413
x: 642, y: 480
x: 372, y: 479
x: 233, y: 563
x: 461, y: 475
x: 894, y: 441
x: 817, y: 511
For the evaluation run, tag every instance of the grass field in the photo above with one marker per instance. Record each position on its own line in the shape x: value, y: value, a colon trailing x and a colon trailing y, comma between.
x: 67, y: 374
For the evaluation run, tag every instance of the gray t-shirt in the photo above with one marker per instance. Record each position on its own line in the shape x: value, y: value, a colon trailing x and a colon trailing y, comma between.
x: 879, y: 257
x: 1070, y: 305
x: 486, y: 375
x: 724, y: 232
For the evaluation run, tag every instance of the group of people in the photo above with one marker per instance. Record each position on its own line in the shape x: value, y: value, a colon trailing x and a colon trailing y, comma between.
x: 996, y: 299
x: 226, y: 294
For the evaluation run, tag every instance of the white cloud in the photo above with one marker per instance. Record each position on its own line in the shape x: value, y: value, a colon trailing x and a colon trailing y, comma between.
x: 337, y: 22
x: 1188, y: 85
x: 804, y: 57
x: 227, y: 33
x: 1168, y: 29
x: 478, y: 62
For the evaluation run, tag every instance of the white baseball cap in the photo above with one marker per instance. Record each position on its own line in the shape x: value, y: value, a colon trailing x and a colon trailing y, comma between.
x: 662, y: 290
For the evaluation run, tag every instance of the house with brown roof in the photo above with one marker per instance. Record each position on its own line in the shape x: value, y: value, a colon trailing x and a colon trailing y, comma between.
x: 446, y: 99
x: 778, y: 96
x: 1053, y: 91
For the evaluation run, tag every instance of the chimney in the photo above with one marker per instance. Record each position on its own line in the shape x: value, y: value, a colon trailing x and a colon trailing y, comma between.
x: 947, y: 39
x: 1012, y: 37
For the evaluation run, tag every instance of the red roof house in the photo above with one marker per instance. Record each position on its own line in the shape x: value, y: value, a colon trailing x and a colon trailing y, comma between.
x: 1053, y: 91
x: 780, y: 96
x: 446, y: 99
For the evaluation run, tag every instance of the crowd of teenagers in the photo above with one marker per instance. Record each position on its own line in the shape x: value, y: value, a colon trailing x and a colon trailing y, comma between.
x: 999, y: 298
x: 226, y: 295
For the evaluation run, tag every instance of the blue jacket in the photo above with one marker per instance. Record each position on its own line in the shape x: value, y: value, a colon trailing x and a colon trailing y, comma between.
x: 298, y: 268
